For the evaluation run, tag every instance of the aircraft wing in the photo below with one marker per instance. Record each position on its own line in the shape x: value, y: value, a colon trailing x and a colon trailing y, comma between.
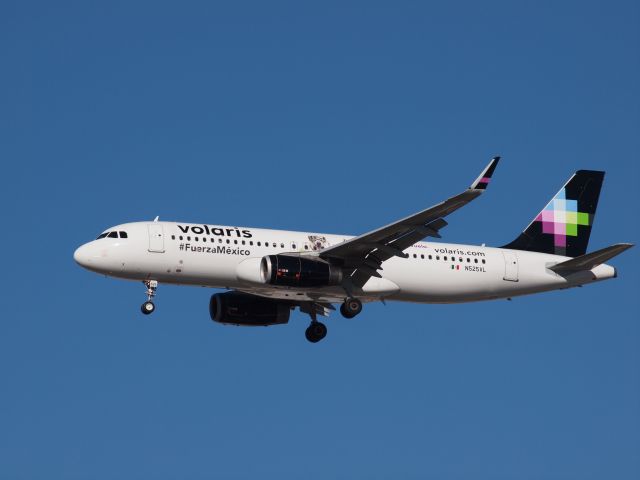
x: 366, y: 253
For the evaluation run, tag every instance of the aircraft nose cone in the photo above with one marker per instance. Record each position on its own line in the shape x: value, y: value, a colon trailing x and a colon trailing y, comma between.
x: 81, y: 256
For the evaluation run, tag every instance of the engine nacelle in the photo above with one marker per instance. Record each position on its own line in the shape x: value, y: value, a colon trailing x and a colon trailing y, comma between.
x: 235, y: 308
x: 298, y: 271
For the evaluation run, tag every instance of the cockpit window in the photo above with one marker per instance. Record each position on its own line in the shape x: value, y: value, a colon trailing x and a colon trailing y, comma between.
x: 102, y: 235
x: 113, y: 235
x: 123, y: 234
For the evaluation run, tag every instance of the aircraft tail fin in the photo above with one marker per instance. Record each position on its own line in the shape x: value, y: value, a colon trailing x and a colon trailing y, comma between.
x: 563, y: 227
x: 590, y: 260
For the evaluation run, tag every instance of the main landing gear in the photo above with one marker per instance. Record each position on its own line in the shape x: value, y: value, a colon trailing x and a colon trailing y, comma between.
x: 351, y: 307
x: 316, y: 331
x: 148, y: 306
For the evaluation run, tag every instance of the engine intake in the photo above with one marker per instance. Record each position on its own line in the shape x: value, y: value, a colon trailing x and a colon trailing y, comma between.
x: 298, y: 271
x: 235, y: 308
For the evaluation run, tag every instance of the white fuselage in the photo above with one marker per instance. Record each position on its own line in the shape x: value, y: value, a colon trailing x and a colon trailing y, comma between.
x: 228, y: 257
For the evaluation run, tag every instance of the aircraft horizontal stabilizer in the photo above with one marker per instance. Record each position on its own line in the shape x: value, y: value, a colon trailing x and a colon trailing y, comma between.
x: 590, y: 260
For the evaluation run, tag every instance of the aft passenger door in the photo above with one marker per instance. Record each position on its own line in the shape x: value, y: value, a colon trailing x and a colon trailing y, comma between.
x: 156, y: 238
x: 510, y: 266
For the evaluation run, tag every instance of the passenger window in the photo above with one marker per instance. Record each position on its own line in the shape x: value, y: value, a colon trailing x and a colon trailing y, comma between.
x: 123, y: 234
x: 445, y: 258
x: 415, y: 256
x: 180, y: 237
x: 438, y: 257
x: 228, y: 241
x: 460, y: 259
x: 306, y: 247
x: 250, y: 242
x: 430, y: 257
x: 235, y: 241
x: 113, y: 235
x: 259, y: 244
x: 483, y: 261
x: 219, y: 240
x: 274, y: 244
x: 422, y: 256
x: 282, y: 245
x: 293, y: 245
x: 468, y: 259
x: 243, y: 242
x: 195, y: 239
x: 173, y: 237
x: 475, y: 260
x: 189, y: 238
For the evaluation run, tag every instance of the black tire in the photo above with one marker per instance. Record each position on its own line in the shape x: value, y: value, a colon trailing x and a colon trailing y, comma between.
x: 147, y: 308
x: 344, y: 312
x: 352, y: 306
x: 315, y: 332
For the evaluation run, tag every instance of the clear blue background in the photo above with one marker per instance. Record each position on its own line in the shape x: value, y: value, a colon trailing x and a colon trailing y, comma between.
x: 321, y: 116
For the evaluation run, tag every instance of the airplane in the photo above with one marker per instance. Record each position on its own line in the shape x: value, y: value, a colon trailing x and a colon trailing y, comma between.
x: 269, y: 273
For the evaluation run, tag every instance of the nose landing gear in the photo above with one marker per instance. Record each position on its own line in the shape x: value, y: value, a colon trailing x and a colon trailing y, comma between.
x: 148, y: 307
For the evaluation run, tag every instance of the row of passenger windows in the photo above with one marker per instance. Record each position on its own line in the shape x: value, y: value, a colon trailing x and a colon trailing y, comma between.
x: 235, y: 242
x: 113, y: 235
x: 294, y: 247
x: 446, y: 258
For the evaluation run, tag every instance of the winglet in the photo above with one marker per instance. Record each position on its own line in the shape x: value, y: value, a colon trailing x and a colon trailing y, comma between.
x: 485, y: 177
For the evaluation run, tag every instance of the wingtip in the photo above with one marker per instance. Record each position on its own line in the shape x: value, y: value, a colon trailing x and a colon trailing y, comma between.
x: 483, y: 180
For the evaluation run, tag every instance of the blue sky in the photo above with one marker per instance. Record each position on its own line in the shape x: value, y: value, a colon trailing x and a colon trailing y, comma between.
x: 318, y: 116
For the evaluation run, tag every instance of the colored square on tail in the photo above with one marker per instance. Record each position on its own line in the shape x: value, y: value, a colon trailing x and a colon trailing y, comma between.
x: 547, y: 227
x: 559, y: 204
x: 572, y: 229
x: 583, y: 218
x: 547, y: 216
x: 572, y: 218
x: 560, y: 216
x: 560, y: 241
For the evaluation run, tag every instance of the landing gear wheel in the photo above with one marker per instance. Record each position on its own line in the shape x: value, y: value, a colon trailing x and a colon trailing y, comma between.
x: 351, y: 307
x: 316, y: 332
x: 147, y: 308
x: 344, y: 312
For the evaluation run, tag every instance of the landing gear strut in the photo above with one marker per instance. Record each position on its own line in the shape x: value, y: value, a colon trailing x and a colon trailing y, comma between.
x: 351, y: 307
x: 148, y: 306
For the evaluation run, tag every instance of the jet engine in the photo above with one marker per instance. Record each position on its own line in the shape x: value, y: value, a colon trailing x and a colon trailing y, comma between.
x: 298, y: 271
x: 235, y: 308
